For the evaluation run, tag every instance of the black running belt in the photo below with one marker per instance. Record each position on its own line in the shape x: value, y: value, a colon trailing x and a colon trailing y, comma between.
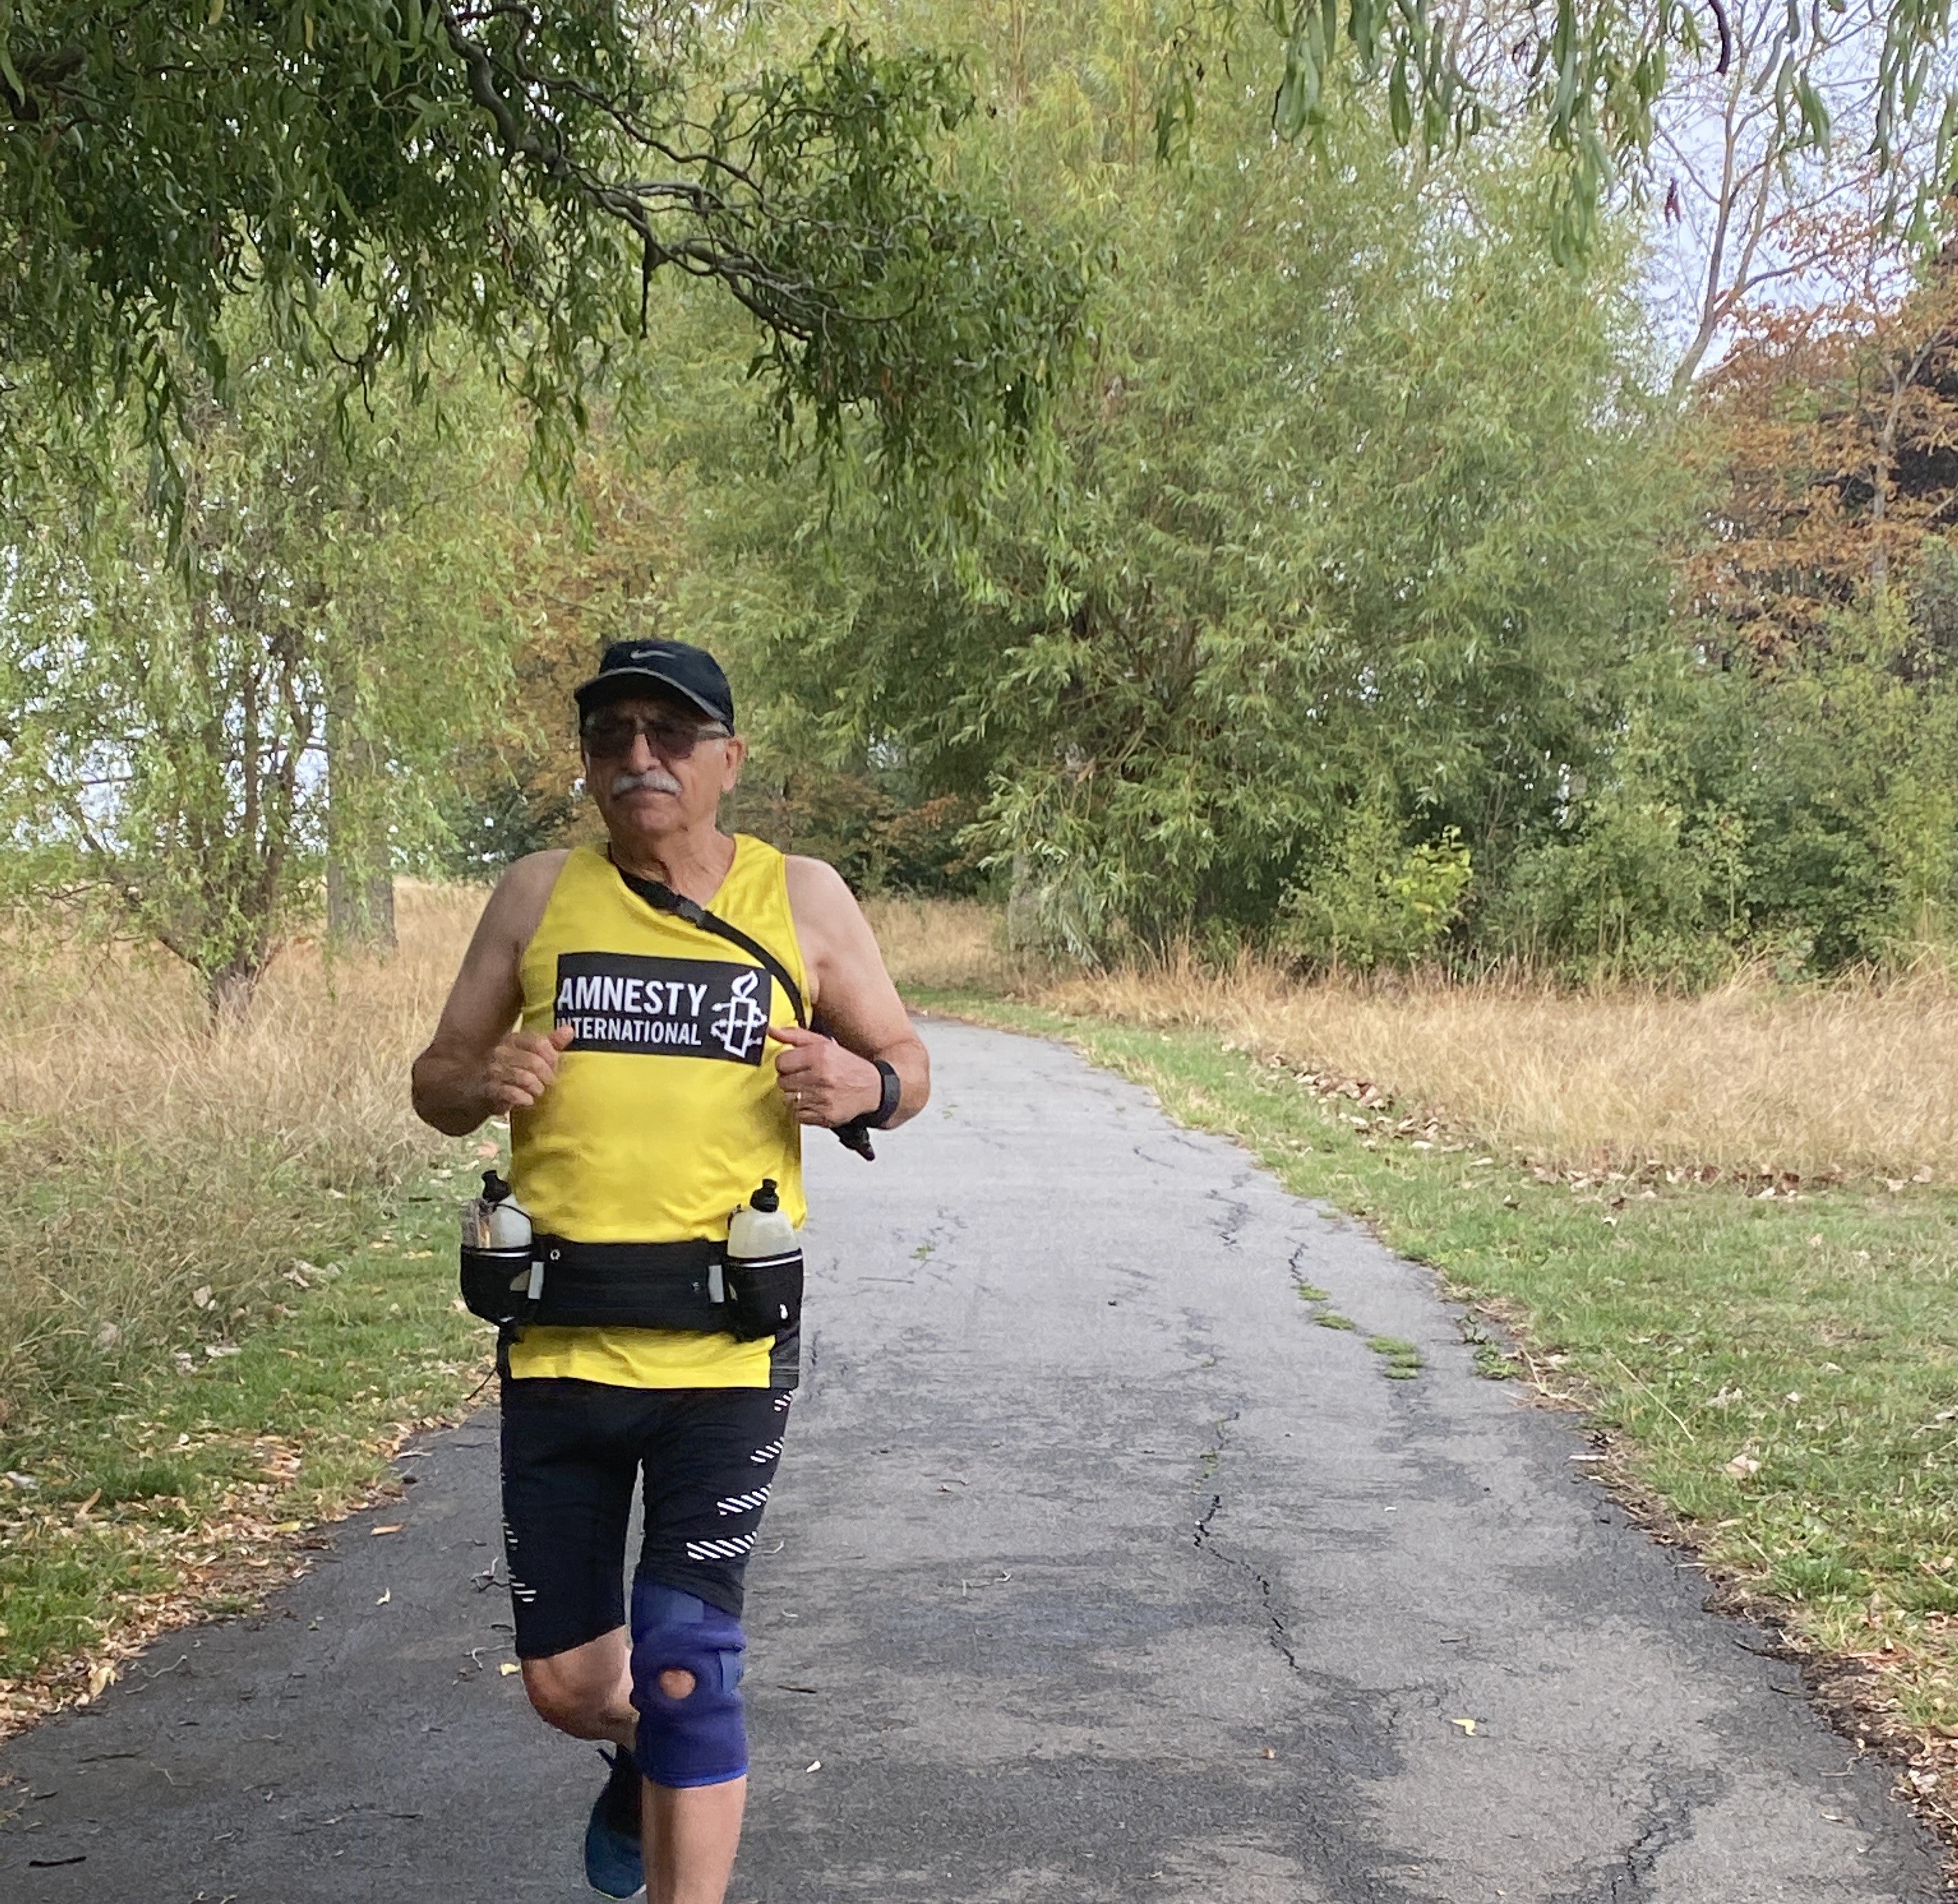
x: 650, y: 1285
x: 662, y: 898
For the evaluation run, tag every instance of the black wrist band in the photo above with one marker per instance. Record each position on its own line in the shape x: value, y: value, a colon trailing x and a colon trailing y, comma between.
x: 892, y: 1089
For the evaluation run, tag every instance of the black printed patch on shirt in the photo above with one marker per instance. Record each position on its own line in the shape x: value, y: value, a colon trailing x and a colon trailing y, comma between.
x: 673, y: 1007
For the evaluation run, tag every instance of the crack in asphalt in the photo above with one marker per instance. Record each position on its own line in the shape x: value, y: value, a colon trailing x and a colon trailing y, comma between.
x: 1238, y: 1215
x: 1278, y: 1635
x: 1674, y: 1793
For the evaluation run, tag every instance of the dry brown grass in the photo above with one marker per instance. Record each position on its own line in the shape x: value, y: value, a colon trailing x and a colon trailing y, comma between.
x: 948, y: 945
x: 123, y: 1039
x: 1859, y: 1080
x: 157, y: 1178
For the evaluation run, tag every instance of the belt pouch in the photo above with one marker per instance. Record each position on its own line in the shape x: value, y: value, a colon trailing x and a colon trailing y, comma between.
x: 764, y: 1295
x: 493, y: 1283
x: 645, y: 1286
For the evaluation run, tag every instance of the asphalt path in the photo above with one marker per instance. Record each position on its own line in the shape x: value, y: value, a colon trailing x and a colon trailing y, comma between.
x: 1096, y: 1571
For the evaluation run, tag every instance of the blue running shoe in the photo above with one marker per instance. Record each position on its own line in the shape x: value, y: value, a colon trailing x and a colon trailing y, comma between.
x: 614, y: 1865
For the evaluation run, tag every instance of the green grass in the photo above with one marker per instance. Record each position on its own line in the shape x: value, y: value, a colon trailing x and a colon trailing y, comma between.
x: 175, y: 1481
x: 1782, y: 1374
x: 1402, y: 1359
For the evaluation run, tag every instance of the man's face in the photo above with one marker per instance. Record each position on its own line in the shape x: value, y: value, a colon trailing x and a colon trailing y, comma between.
x: 657, y: 766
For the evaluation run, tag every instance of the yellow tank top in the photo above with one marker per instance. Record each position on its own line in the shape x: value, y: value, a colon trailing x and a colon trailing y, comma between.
x: 664, y: 1114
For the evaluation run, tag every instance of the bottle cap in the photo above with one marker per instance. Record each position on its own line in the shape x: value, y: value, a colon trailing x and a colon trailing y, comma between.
x: 495, y: 1190
x: 765, y: 1198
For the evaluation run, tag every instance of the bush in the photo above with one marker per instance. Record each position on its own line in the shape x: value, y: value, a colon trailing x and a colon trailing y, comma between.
x: 1376, y: 900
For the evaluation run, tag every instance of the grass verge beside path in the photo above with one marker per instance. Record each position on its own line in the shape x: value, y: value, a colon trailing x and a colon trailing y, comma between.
x: 227, y: 1265
x: 172, y: 1493
x: 1777, y: 1376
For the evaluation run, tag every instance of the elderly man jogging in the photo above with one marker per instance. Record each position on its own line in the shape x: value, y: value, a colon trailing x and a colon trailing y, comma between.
x: 664, y: 990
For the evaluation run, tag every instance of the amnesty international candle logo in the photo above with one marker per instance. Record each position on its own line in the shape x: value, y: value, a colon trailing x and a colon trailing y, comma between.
x: 673, y: 1007
x: 742, y: 1024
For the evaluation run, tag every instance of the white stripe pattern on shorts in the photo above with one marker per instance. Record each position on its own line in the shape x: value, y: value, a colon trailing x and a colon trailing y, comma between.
x: 762, y: 1456
x: 743, y: 1503
x: 728, y: 1549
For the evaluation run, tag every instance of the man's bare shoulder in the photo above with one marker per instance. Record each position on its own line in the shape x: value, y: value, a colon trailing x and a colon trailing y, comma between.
x: 828, y: 923
x: 535, y: 869
x: 519, y: 901
x: 817, y: 884
x: 820, y: 901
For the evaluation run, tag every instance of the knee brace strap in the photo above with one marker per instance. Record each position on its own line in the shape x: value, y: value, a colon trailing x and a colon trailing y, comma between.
x: 699, y: 1739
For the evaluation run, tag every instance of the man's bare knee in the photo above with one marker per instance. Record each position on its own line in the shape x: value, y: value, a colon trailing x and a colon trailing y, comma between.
x: 675, y: 1683
x: 574, y: 1692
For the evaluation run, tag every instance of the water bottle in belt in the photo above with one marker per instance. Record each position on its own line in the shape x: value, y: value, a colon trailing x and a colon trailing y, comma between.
x: 764, y: 1272
x: 497, y: 1271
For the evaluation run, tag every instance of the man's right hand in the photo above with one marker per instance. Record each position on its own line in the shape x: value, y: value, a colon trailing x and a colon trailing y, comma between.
x: 523, y: 1066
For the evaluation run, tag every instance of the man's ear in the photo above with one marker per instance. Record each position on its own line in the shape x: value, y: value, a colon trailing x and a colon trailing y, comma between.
x: 730, y: 772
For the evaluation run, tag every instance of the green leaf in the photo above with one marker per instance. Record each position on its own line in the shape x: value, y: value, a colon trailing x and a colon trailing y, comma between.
x: 1289, y: 108
x: 1814, y: 113
x: 1365, y: 26
x: 1400, y: 109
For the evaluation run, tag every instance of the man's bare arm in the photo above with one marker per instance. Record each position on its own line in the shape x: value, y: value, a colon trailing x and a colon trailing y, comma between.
x: 832, y: 1083
x: 475, y: 1066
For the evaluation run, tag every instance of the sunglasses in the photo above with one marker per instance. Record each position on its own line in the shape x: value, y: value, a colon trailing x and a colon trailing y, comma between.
x: 610, y: 737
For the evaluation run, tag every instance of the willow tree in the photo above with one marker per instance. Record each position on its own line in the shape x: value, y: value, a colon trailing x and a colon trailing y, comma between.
x: 517, y: 174
x: 1353, y: 522
x: 194, y: 726
x: 521, y: 172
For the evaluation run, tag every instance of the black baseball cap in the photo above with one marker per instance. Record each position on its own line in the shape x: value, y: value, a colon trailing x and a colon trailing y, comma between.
x: 631, y: 667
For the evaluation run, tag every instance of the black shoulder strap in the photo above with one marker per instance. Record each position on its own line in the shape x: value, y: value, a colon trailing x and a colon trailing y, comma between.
x: 663, y: 899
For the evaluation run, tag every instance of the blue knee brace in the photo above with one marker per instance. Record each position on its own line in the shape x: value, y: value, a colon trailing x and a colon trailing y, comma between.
x: 699, y: 1739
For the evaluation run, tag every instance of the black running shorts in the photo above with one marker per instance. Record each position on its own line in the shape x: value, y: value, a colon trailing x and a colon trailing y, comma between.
x: 573, y: 1451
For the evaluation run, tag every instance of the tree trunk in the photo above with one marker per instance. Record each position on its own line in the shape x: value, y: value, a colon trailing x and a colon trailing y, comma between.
x: 360, y: 912
x: 229, y: 991
x: 1023, y: 926
x: 359, y: 887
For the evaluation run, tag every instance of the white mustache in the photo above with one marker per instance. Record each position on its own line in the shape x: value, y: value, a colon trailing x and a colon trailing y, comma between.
x: 652, y: 779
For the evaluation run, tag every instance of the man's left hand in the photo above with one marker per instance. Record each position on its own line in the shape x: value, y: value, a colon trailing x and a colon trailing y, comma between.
x: 825, y: 1082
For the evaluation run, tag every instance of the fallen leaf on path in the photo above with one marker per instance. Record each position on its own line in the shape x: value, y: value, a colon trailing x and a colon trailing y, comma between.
x: 1467, y: 1725
x: 393, y: 1527
x: 815, y: 1765
x: 387, y: 1595
x: 508, y: 1666
x: 1268, y: 1753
